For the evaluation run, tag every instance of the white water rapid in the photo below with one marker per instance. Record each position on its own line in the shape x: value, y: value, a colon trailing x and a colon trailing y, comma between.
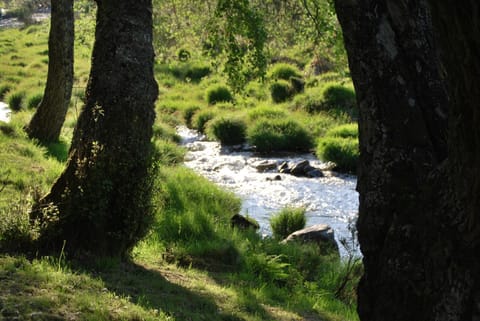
x: 4, y: 112
x: 328, y: 200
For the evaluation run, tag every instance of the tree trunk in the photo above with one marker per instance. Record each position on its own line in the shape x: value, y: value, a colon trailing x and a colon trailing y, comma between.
x: 418, y: 222
x: 49, y: 117
x: 100, y: 205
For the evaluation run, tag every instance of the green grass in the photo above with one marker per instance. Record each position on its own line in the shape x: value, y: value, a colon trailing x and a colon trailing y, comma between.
x: 192, y: 265
x: 287, y: 221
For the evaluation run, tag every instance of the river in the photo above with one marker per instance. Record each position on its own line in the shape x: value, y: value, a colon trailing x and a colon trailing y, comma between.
x: 328, y: 200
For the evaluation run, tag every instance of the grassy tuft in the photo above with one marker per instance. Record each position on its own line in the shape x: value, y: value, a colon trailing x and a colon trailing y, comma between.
x: 284, y: 71
x: 287, y: 221
x: 229, y: 131
x: 218, y: 93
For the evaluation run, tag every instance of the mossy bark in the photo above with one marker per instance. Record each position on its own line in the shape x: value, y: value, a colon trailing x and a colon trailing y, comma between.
x: 100, y: 205
x: 418, y: 222
x: 49, y: 117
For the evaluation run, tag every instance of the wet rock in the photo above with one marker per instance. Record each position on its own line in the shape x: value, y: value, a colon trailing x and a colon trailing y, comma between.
x: 265, y: 165
x: 274, y: 178
x: 195, y: 147
x: 243, y: 223
x: 314, y: 173
x: 284, y: 168
x: 321, y: 234
x: 301, y: 168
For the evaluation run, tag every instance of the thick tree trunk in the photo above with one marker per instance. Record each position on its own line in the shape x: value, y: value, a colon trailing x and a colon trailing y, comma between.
x: 100, y: 204
x: 49, y: 117
x: 418, y: 221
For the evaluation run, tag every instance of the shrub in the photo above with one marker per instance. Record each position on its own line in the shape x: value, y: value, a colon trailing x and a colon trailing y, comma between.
x: 284, y: 71
x: 338, y: 96
x: 227, y: 131
x: 34, y: 100
x: 15, y: 100
x: 344, y: 152
x: 201, y: 118
x: 266, y: 112
x: 287, y: 221
x: 279, y: 135
x: 218, y: 93
x: 183, y: 54
x: 280, y: 91
x: 188, y: 113
x: 4, y: 89
x: 186, y: 70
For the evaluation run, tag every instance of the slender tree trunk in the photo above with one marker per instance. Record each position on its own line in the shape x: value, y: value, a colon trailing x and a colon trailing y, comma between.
x: 49, y: 117
x: 100, y: 204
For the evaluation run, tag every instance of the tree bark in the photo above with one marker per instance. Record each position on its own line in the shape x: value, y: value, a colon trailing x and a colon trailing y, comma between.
x: 49, y: 117
x: 418, y: 221
x: 100, y: 205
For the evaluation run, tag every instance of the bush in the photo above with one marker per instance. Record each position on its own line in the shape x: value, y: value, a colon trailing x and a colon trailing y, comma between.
x: 15, y: 100
x: 281, y: 91
x: 218, y: 93
x: 279, y: 135
x: 338, y: 96
x: 284, y: 71
x: 227, y: 131
x: 183, y: 54
x: 34, y: 100
x: 201, y: 118
x: 287, y: 221
x: 344, y: 152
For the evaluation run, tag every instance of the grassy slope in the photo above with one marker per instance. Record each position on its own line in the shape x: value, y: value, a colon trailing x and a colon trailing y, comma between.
x: 251, y: 285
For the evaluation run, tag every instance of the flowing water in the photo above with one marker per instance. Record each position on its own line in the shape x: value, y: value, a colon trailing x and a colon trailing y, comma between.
x: 328, y: 200
x: 4, y: 112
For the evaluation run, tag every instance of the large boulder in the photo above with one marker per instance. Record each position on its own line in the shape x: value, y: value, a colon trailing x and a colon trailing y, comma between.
x: 322, y: 234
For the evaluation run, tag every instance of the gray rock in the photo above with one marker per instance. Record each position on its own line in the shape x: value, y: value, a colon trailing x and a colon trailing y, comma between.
x: 243, y: 223
x: 265, y: 165
x: 275, y: 178
x: 321, y: 234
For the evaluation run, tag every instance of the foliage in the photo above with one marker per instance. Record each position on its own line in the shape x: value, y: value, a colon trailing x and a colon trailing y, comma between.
x: 168, y: 153
x: 188, y: 113
x: 279, y: 135
x: 281, y: 91
x: 218, y: 93
x: 229, y: 131
x: 344, y: 131
x: 287, y: 221
x: 165, y: 132
x: 237, y: 32
x: 338, y: 96
x: 283, y: 71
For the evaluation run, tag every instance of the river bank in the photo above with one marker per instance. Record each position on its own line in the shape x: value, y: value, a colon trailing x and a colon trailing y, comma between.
x: 331, y: 199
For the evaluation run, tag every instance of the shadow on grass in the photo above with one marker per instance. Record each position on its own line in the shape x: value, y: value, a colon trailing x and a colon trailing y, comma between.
x: 152, y: 290
x: 58, y: 150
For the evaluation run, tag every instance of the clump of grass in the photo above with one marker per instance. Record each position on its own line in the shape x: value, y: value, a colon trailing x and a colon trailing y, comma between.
x: 287, y: 221
x: 267, y: 112
x: 165, y: 132
x: 284, y: 71
x: 188, y: 113
x: 4, y: 89
x: 281, y: 91
x: 218, y: 93
x: 15, y: 100
x: 229, y: 131
x: 201, y: 118
x: 338, y: 96
x: 34, y: 100
x: 279, y: 135
x: 168, y: 152
x: 340, y: 145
